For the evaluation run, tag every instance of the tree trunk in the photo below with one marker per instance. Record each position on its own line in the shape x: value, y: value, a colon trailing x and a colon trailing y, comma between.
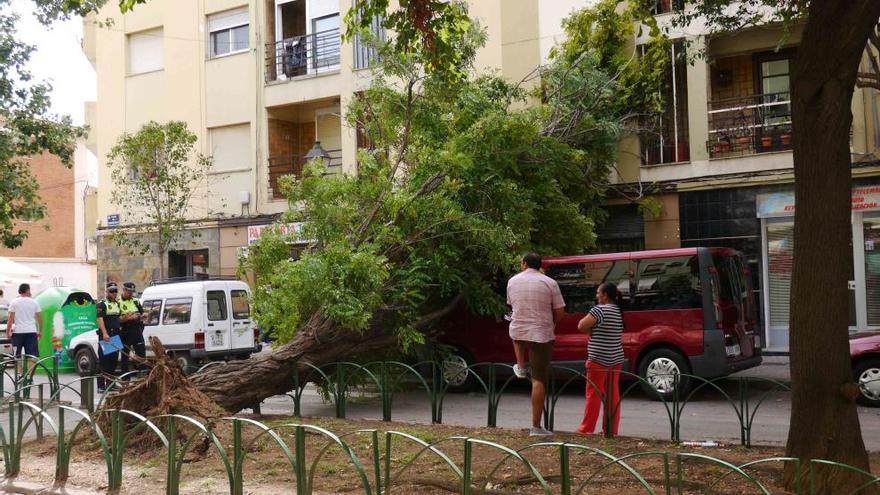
x: 243, y: 384
x: 824, y: 420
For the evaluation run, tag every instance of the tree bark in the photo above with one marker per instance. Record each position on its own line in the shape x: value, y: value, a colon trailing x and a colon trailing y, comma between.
x: 242, y: 384
x: 824, y: 420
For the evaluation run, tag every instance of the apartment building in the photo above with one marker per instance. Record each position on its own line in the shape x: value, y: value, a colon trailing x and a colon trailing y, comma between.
x: 264, y: 83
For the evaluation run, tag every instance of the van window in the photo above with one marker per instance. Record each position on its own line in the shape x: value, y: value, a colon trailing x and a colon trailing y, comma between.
x: 578, y: 282
x: 216, y: 305
x: 241, y: 309
x: 177, y: 311
x: 668, y: 283
x: 152, y: 309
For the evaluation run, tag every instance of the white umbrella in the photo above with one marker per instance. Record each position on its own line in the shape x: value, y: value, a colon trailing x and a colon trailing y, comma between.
x: 12, y: 274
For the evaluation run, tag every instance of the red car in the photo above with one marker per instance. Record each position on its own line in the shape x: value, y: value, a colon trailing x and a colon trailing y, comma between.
x: 865, y: 351
x: 685, y: 311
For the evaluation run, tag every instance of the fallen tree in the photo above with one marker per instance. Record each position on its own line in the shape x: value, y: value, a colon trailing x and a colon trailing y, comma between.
x: 461, y: 174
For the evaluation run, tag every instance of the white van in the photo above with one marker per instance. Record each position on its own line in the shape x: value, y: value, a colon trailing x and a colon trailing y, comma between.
x: 196, y: 321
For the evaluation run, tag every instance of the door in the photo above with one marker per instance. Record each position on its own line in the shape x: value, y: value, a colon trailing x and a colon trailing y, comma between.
x: 217, y: 323
x: 152, y: 313
x: 242, y: 328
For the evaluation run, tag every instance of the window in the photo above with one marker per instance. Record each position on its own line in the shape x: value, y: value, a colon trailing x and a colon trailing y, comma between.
x: 177, y: 311
x: 578, y: 282
x: 152, y: 310
x: 145, y: 51
x: 667, y: 140
x: 325, y: 41
x: 241, y: 309
x: 366, y: 55
x: 216, y: 300
x: 668, y: 283
x: 230, y: 147
x: 774, y: 83
x: 229, y: 32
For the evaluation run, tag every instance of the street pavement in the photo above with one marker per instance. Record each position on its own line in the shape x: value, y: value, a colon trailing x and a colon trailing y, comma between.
x: 706, y: 417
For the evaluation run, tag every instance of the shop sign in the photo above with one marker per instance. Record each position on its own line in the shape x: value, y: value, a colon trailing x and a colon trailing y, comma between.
x: 781, y: 204
x: 293, y: 229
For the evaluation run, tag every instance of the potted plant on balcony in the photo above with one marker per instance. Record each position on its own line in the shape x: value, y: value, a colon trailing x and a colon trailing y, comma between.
x: 766, y: 141
x: 785, y: 139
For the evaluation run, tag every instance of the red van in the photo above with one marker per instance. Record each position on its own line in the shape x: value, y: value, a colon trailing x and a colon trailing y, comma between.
x: 685, y: 311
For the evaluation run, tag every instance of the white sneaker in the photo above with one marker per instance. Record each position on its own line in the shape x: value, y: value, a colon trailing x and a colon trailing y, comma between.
x: 520, y: 372
x: 539, y: 432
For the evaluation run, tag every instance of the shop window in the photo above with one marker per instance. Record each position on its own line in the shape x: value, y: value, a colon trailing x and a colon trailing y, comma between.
x: 578, y: 282
x: 872, y: 269
x: 780, y: 257
x: 191, y: 263
x: 668, y: 283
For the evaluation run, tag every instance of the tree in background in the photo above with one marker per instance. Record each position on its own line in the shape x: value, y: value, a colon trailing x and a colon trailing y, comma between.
x: 27, y: 128
x: 461, y: 177
x: 155, y: 174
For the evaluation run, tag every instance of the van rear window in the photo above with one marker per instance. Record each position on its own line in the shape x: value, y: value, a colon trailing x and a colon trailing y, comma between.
x: 667, y: 283
x: 177, y: 311
x: 241, y: 309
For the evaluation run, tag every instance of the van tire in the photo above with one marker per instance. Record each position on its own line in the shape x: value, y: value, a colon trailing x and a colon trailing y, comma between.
x: 85, y: 361
x: 658, y: 362
x: 457, y: 382
x: 185, y: 361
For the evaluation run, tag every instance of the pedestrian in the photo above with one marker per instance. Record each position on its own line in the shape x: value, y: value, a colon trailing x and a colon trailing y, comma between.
x: 109, y: 325
x: 3, y: 302
x: 24, y: 324
x: 537, y: 307
x: 604, y: 325
x: 132, y: 327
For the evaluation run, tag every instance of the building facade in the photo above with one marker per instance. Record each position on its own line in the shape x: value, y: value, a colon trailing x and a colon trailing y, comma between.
x: 262, y: 81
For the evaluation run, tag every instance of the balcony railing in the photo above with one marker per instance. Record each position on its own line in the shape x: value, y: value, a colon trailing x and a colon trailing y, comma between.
x: 750, y: 124
x: 292, y: 164
x: 302, y: 55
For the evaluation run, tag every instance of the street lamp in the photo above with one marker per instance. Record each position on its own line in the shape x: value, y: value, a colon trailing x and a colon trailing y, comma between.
x: 317, y: 152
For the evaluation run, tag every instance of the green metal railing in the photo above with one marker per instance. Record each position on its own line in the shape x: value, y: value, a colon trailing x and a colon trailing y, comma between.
x: 383, y: 465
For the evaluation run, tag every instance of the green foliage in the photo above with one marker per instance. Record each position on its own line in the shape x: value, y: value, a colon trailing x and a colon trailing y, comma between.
x: 155, y: 173
x: 426, y: 30
x: 461, y: 177
x: 26, y: 128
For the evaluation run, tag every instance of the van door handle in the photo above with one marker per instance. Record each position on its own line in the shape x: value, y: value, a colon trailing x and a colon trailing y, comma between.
x: 210, y: 324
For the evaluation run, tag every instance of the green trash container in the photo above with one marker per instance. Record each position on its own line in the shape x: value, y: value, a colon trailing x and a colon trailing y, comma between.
x: 66, y: 313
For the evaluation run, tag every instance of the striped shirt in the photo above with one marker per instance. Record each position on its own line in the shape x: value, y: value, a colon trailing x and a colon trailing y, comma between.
x: 605, y: 346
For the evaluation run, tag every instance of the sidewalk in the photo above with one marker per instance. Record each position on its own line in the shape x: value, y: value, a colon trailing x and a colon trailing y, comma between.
x: 772, y: 368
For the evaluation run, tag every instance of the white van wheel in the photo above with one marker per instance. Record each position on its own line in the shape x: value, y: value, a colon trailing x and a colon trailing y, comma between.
x: 185, y: 361
x: 85, y: 361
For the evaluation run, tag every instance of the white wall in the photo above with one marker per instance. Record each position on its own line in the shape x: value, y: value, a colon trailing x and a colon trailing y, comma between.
x: 59, y: 272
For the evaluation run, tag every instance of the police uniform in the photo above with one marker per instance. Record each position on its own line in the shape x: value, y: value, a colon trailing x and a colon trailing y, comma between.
x: 109, y: 311
x: 132, y: 331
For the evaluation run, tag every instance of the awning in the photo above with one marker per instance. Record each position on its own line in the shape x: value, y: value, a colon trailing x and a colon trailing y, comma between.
x: 13, y: 274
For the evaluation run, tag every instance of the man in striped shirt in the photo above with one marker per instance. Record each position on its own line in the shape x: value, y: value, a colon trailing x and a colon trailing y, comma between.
x: 537, y: 307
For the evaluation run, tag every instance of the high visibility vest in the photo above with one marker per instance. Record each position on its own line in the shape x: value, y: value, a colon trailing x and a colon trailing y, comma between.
x: 113, y: 308
x: 127, y: 306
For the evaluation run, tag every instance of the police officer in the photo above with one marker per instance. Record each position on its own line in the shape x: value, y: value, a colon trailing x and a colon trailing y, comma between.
x: 109, y: 325
x: 130, y: 311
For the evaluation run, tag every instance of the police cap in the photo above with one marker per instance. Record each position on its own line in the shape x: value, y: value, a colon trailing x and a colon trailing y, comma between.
x: 129, y: 286
x: 112, y: 287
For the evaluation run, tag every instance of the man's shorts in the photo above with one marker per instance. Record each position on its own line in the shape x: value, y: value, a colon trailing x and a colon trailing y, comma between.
x: 540, y: 354
x: 26, y: 342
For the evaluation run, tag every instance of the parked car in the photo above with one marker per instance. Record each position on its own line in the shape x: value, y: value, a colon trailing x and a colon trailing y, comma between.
x: 5, y: 342
x: 864, y: 348
x: 685, y: 311
x: 196, y: 320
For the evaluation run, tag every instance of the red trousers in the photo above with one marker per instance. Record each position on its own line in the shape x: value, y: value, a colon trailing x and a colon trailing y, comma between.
x: 602, y: 379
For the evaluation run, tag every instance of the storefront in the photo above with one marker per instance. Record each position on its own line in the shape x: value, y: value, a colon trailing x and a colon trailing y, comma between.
x: 776, y: 213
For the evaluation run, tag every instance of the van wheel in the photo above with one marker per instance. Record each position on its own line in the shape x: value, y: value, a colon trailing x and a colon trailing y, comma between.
x: 455, y: 371
x: 185, y: 361
x: 658, y: 371
x: 867, y: 376
x: 85, y: 361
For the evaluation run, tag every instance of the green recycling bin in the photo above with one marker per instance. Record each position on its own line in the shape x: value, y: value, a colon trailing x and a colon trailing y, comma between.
x: 66, y: 313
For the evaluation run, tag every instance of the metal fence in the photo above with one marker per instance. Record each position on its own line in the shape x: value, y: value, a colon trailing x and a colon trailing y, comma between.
x: 29, y: 410
x: 293, y: 164
x: 749, y: 124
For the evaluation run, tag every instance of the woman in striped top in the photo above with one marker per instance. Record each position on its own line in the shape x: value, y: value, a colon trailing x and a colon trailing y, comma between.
x: 604, y: 325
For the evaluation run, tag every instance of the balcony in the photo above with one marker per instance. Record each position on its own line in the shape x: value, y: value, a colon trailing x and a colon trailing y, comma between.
x: 747, y: 125
x: 667, y: 6
x: 309, y: 54
x: 293, y: 164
